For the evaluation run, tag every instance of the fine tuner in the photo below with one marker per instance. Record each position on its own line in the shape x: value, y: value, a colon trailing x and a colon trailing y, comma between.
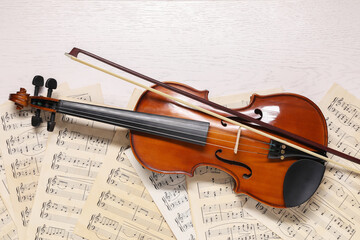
x: 278, y: 161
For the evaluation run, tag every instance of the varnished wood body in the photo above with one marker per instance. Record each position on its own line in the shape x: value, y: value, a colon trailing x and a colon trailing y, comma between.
x: 291, y: 112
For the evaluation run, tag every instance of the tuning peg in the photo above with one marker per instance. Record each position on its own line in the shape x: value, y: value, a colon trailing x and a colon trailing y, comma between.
x: 51, y: 123
x: 36, y: 120
x: 50, y: 84
x: 38, y: 81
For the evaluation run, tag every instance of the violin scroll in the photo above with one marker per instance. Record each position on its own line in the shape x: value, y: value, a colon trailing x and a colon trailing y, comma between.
x: 21, y: 98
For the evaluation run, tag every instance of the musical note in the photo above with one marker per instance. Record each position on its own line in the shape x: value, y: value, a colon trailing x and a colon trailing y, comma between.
x: 59, y: 212
x: 345, y: 112
x: 69, y: 188
x: 27, y: 143
x: 26, y: 192
x: 130, y: 210
x: 15, y: 120
x: 74, y: 165
x: 49, y: 232
x: 106, y: 228
x: 82, y: 142
x: 29, y: 166
x: 4, y: 216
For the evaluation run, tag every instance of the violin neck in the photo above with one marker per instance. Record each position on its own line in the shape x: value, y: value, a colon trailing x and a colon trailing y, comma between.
x: 185, y: 130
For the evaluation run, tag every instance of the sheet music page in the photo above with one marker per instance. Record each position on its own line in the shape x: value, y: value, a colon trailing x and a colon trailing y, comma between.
x: 7, y: 225
x: 74, y: 155
x: 4, y: 189
x: 217, y: 212
x: 169, y: 194
x: 169, y: 190
x: 25, y: 150
x: 119, y: 206
x: 333, y: 212
x: 22, y: 147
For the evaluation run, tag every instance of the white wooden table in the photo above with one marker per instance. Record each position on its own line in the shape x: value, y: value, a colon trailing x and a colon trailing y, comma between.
x: 226, y: 47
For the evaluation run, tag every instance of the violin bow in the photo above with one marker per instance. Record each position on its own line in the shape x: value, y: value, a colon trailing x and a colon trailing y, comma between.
x: 73, y: 54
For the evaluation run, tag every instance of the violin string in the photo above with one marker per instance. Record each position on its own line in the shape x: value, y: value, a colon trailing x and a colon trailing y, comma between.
x: 211, y: 144
x: 101, y: 117
x: 249, y: 138
x: 243, y: 144
x: 129, y: 125
x: 240, y: 150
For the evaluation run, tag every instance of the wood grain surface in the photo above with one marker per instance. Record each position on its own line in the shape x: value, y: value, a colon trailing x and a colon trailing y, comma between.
x: 223, y: 46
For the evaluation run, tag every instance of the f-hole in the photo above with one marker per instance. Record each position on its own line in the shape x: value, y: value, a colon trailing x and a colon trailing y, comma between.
x: 237, y: 119
x: 258, y: 112
x: 240, y: 164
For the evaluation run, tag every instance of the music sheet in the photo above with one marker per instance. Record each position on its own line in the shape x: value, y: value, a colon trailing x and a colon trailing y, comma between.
x: 75, y: 152
x: 217, y: 212
x: 26, y: 145
x: 73, y: 158
x: 169, y: 194
x: 333, y: 212
x: 119, y: 206
x: 7, y: 226
x: 4, y: 189
x: 22, y: 147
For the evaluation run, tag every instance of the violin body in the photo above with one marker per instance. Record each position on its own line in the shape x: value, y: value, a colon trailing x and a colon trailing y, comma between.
x: 285, y: 179
x: 179, y: 135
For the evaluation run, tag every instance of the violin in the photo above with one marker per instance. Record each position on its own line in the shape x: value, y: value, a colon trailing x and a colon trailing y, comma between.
x: 274, y: 148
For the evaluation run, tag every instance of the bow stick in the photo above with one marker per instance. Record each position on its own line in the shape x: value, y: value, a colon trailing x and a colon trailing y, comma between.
x: 74, y: 56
